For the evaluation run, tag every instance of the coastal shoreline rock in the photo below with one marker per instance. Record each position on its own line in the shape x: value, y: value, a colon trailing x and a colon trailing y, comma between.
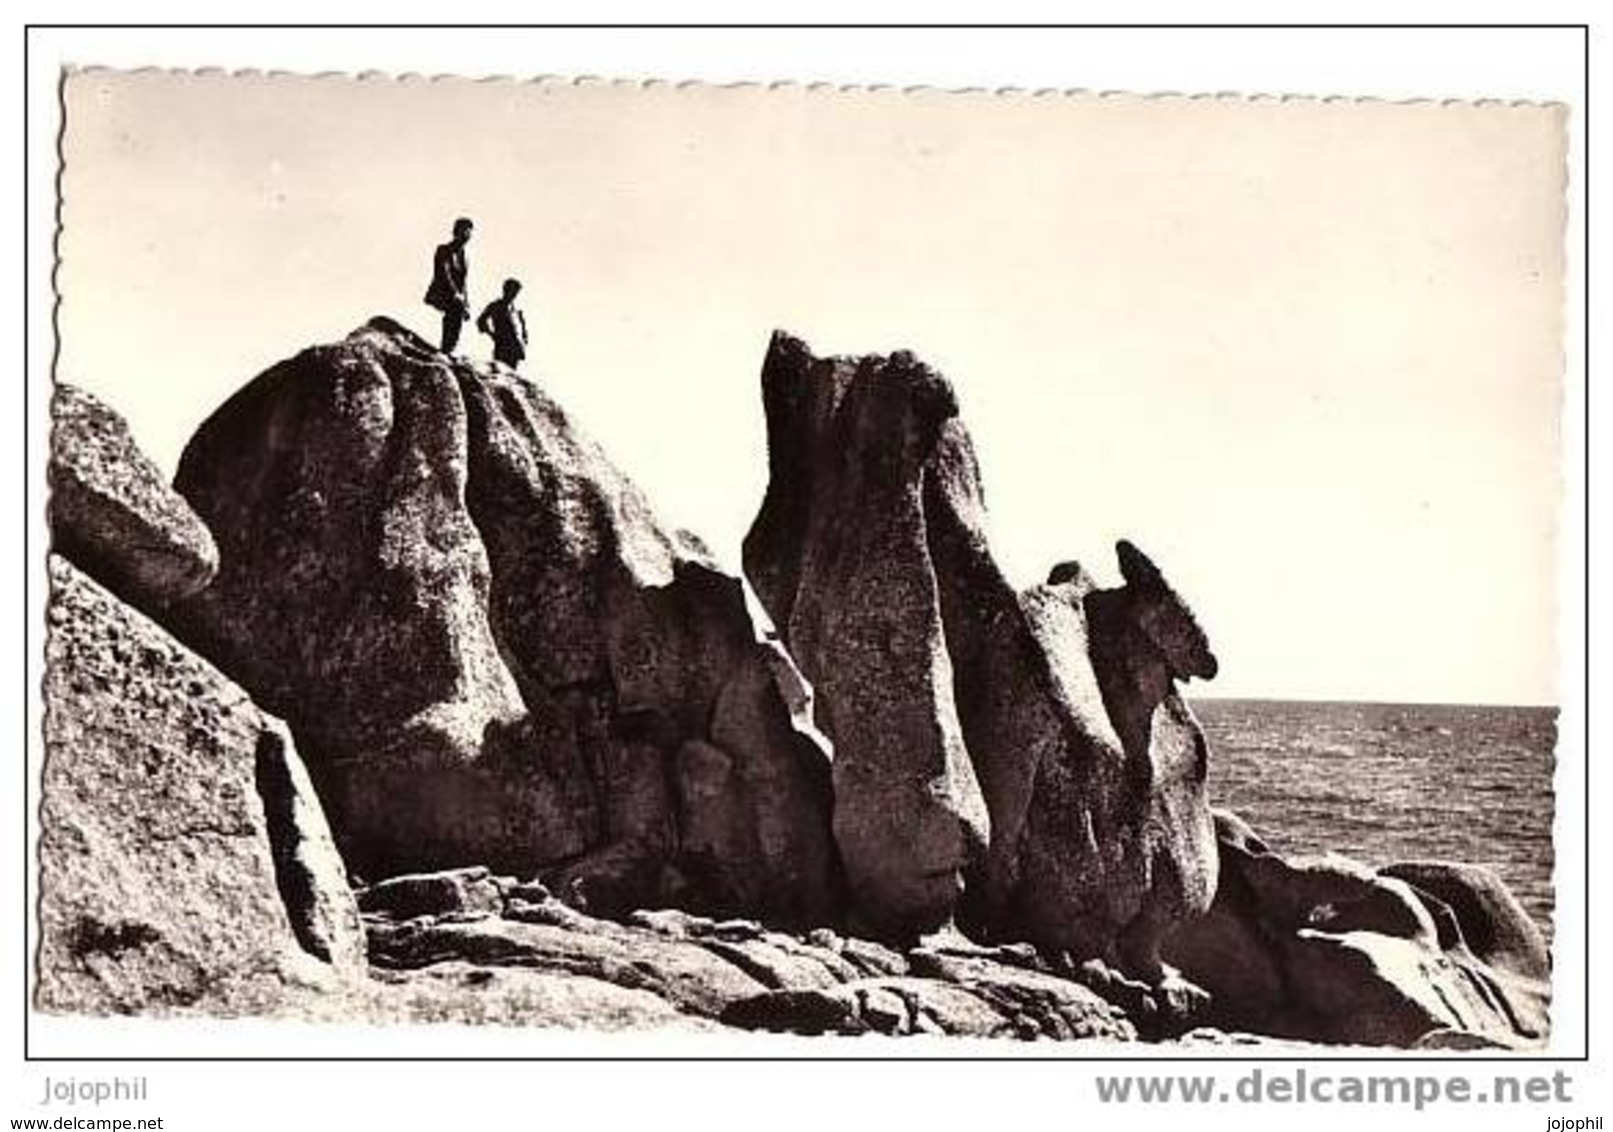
x: 587, y: 784
x: 737, y: 974
x: 1329, y: 950
x: 1493, y: 924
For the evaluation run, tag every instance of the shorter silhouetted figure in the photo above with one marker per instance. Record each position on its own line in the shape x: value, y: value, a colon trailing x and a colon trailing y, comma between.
x: 447, y: 292
x: 502, y: 319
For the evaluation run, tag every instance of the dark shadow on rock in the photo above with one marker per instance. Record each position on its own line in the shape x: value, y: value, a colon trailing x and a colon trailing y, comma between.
x: 943, y: 688
x: 158, y: 859
x: 491, y: 650
x: 308, y: 871
x: 1328, y: 950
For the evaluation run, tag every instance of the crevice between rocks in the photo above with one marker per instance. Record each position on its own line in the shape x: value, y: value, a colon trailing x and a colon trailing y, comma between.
x: 278, y: 793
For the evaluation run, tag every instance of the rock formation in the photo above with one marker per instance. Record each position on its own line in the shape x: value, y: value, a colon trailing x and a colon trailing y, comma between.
x: 1117, y: 845
x: 583, y: 786
x: 185, y: 863
x: 111, y: 510
x: 186, y: 868
x: 844, y: 522
x: 941, y: 686
x: 490, y: 650
x: 734, y: 972
x: 1327, y: 949
x: 1493, y: 924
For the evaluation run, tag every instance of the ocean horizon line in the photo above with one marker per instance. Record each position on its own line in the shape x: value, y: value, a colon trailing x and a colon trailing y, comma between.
x: 1198, y: 698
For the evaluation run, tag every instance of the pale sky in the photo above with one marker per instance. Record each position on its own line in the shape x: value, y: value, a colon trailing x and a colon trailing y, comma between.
x: 1306, y: 354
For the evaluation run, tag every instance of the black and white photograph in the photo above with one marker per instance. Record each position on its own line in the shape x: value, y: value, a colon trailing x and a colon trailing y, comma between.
x: 631, y: 565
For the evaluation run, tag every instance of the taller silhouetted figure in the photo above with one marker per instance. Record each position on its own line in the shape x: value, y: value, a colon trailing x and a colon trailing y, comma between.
x: 447, y: 292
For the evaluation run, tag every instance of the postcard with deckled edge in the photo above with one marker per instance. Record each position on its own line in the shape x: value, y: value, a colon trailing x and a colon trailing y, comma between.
x: 797, y: 570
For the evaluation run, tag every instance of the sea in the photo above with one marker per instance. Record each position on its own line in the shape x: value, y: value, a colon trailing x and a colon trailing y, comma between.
x: 1393, y: 782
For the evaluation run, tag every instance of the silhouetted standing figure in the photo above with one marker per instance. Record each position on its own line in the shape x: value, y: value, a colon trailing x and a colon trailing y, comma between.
x: 447, y: 292
x: 504, y: 321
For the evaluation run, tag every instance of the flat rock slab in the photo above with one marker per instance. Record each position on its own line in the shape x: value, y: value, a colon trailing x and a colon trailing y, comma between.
x: 467, y: 994
x: 732, y: 973
x: 415, y: 894
x: 902, y: 1006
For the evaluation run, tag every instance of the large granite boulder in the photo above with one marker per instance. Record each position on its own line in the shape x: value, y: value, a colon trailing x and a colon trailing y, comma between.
x: 111, y: 512
x: 1326, y: 949
x: 490, y: 650
x: 1493, y: 924
x: 940, y: 683
x: 185, y: 865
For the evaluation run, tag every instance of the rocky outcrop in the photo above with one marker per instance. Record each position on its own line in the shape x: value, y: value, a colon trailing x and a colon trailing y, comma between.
x: 490, y: 650
x: 944, y: 688
x: 466, y: 993
x: 1494, y: 926
x: 500, y: 665
x: 1328, y: 950
x: 738, y: 973
x: 1097, y: 768
x: 425, y: 894
x: 844, y: 522
x: 184, y: 864
x: 186, y: 868
x: 112, y: 513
